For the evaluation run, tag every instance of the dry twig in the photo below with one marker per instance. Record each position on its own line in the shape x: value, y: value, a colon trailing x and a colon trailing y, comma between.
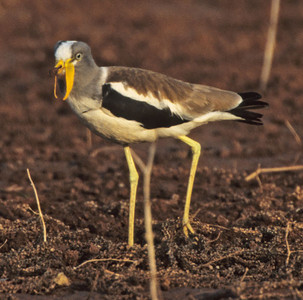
x: 148, y: 223
x: 196, y: 213
x: 102, y: 260
x: 287, y: 244
x: 138, y: 161
x: 244, y: 275
x: 273, y: 170
x: 270, y: 44
x: 235, y: 229
x: 293, y: 132
x: 215, y: 239
x: 146, y: 170
x: 289, y: 252
x: 29, y: 208
x: 112, y: 273
x: 3, y: 243
x: 259, y: 183
x: 38, y: 204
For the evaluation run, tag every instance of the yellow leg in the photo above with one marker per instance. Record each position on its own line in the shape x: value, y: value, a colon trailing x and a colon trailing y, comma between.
x: 133, y: 178
x: 196, y: 150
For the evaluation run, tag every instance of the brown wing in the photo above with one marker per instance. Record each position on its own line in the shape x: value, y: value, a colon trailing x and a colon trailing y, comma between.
x: 206, y: 99
x: 193, y: 99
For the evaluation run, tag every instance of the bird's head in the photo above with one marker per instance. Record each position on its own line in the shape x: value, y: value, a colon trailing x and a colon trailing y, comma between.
x: 73, y: 59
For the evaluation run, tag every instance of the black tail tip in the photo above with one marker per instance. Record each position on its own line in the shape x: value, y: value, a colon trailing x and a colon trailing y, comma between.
x: 251, y: 101
x: 250, y: 95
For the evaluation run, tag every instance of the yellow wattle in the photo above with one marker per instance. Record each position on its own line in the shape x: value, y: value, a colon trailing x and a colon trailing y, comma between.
x: 69, y: 77
x: 69, y: 69
x: 57, y: 70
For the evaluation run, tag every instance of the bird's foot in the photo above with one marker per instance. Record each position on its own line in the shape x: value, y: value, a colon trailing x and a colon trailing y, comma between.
x: 187, y: 227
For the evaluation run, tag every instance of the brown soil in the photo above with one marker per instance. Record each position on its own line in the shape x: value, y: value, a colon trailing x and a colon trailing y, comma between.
x: 248, y: 241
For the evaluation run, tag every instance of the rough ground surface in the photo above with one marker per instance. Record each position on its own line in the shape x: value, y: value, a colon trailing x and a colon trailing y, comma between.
x: 248, y: 242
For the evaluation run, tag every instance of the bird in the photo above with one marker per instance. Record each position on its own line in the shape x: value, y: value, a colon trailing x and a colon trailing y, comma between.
x: 131, y: 105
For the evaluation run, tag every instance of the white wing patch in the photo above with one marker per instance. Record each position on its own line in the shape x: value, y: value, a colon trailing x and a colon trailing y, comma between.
x: 161, y: 103
x: 104, y: 74
x: 64, y: 51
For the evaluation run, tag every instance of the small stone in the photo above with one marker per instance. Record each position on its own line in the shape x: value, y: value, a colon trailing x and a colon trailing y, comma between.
x: 62, y: 280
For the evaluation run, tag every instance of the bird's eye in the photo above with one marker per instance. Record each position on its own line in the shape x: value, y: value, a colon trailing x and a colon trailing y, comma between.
x: 79, y: 56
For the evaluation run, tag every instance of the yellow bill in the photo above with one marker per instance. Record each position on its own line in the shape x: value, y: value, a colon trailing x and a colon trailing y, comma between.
x: 68, y: 69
